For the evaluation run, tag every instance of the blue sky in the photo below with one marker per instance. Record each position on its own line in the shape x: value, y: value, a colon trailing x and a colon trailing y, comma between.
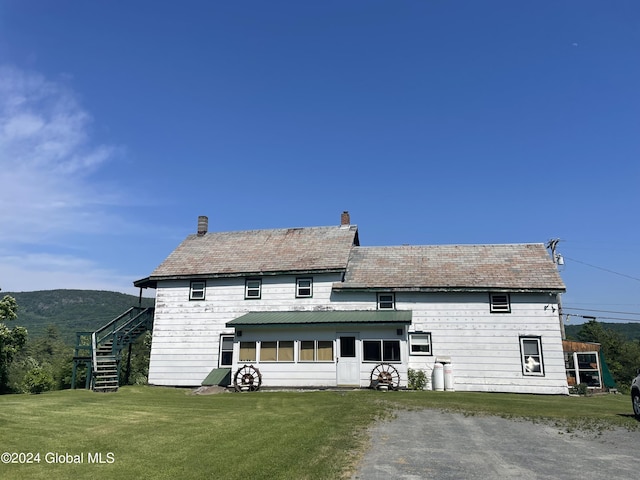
x: 431, y: 122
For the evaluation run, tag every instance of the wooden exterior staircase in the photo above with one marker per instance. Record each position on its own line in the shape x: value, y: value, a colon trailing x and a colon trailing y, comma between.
x: 101, y: 351
x: 106, y: 374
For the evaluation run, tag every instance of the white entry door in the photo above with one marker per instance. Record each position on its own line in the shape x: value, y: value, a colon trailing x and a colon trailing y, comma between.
x: 348, y: 360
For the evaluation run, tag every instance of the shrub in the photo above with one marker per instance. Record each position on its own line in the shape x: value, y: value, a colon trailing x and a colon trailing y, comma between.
x: 580, y: 389
x: 38, y: 380
x: 417, y: 379
x: 583, y: 389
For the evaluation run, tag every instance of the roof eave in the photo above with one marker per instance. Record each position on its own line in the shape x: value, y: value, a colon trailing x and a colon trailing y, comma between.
x: 322, y: 318
x: 145, y: 283
x: 200, y: 276
x: 317, y: 324
x: 338, y: 286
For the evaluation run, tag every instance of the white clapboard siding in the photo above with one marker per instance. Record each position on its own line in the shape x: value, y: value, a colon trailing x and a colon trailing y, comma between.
x: 192, y: 329
x: 484, y: 347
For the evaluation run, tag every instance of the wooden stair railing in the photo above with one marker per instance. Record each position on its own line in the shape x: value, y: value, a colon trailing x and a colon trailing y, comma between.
x: 100, y: 351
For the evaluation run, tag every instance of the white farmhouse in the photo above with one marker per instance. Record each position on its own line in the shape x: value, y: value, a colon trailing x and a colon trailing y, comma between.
x: 310, y: 307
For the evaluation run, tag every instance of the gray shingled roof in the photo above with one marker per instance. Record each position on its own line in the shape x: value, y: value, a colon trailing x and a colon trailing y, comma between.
x: 260, y: 251
x: 516, y: 267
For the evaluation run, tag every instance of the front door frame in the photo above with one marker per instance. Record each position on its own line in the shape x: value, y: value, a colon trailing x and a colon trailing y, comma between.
x: 348, y: 368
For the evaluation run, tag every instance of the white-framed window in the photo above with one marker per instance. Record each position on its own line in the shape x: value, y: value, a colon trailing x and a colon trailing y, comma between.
x: 583, y: 367
x: 419, y: 343
x: 197, y: 290
x: 247, y: 352
x: 253, y: 288
x: 226, y: 350
x: 500, y: 303
x: 304, y: 287
x: 315, y: 351
x: 381, y: 350
x: 277, y: 351
x: 531, y: 355
x: 386, y: 301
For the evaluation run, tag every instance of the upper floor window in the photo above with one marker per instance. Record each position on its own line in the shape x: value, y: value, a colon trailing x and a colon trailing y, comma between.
x: 304, y: 287
x: 386, y: 301
x: 500, y: 303
x: 253, y: 288
x: 197, y: 290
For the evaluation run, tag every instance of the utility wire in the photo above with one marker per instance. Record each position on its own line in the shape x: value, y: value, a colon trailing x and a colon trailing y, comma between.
x: 589, y: 317
x: 600, y: 304
x: 600, y: 311
x: 603, y: 269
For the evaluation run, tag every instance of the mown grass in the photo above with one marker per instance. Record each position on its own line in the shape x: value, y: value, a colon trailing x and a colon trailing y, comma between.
x: 170, y: 433
x: 571, y: 413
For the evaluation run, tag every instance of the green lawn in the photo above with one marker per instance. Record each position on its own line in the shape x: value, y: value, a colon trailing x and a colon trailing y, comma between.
x: 151, y: 432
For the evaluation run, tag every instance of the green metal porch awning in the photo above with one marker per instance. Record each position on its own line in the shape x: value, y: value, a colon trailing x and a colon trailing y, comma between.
x: 377, y: 317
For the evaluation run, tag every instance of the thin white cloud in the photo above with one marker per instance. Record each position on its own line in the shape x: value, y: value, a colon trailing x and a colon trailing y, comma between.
x: 46, y: 157
x: 48, y: 192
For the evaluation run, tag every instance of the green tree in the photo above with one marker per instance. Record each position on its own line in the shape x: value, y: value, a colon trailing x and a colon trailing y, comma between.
x: 139, y: 362
x: 12, y: 340
x: 48, y: 354
x: 38, y: 378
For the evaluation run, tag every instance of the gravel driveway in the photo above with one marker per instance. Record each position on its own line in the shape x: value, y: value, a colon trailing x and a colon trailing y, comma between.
x: 430, y: 444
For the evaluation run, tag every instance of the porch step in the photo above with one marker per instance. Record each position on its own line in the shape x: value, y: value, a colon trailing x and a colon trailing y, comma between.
x: 106, y: 374
x: 105, y: 349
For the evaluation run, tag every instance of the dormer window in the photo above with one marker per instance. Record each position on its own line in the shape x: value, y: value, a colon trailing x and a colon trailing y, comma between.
x: 386, y: 301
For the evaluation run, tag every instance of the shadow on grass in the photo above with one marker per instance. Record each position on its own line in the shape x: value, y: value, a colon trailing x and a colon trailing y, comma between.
x: 629, y: 415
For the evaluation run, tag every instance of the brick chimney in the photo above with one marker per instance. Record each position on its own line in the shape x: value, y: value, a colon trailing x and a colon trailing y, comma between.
x: 203, y: 225
x: 345, y: 219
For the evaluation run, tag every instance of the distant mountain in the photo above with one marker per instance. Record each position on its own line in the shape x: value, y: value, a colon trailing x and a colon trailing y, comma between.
x: 630, y: 331
x: 70, y: 310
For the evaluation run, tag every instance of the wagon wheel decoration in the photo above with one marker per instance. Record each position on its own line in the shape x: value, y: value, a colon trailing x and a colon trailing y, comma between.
x: 385, y: 376
x: 247, y: 379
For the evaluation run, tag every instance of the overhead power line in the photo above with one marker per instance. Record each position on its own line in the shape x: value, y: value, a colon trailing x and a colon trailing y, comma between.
x: 599, y: 317
x: 590, y: 317
x: 603, y: 269
x: 602, y: 311
x: 601, y: 303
